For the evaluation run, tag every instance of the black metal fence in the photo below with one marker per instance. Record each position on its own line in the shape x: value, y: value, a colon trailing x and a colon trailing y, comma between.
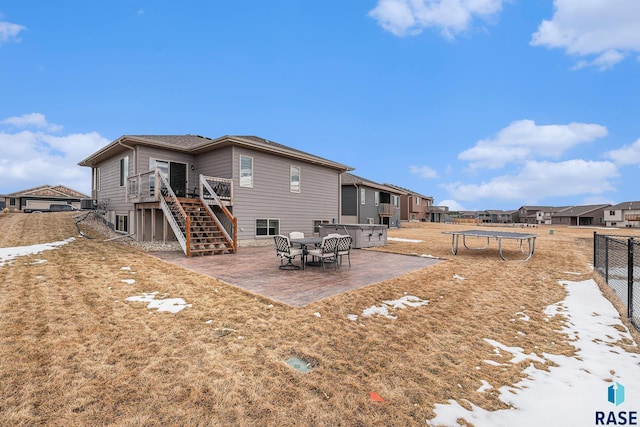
x: 617, y: 259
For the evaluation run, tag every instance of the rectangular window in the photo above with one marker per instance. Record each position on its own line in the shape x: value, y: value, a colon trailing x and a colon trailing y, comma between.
x: 12, y: 201
x: 96, y: 179
x: 417, y: 201
x: 396, y: 201
x: 612, y: 213
x: 295, y: 179
x: 267, y: 227
x: 122, y: 223
x: 124, y: 170
x: 362, y: 196
x: 376, y: 198
x: 246, y: 171
x: 317, y: 223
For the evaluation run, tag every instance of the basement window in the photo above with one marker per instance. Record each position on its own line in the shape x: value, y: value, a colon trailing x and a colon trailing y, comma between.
x: 122, y: 223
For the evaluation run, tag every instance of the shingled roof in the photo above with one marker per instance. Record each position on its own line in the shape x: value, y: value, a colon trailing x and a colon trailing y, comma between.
x: 47, y: 191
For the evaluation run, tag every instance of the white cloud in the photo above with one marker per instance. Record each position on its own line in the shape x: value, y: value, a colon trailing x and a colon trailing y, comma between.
x: 627, y: 155
x: 523, y: 140
x: 9, y: 32
x: 539, y: 180
x: 423, y: 171
x: 607, y: 30
x: 33, y: 158
x: 451, y: 17
x: 453, y: 205
x: 35, y: 120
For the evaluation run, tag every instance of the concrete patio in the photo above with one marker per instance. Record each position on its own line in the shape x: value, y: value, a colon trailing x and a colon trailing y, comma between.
x: 255, y: 269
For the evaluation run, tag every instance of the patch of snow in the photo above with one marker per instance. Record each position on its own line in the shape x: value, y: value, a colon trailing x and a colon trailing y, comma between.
x: 399, y: 239
x: 9, y: 254
x: 485, y: 386
x: 172, y: 305
x: 128, y: 281
x: 572, y: 389
x: 352, y: 317
x: 383, y: 310
x: 125, y: 268
x: 457, y: 276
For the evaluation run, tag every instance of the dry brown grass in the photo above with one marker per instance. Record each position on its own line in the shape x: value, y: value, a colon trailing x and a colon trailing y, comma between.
x: 73, y: 352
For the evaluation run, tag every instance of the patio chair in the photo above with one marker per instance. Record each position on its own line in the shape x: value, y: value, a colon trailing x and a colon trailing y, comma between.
x: 284, y: 250
x: 296, y: 235
x: 344, y: 248
x: 326, y: 252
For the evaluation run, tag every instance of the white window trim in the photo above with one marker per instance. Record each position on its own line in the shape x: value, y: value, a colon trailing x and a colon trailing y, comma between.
x: 376, y: 198
x: 292, y: 188
x: 124, y: 171
x: 417, y: 201
x: 250, y: 185
x: 268, y: 221
x: 363, y: 196
x: 96, y: 179
x: 117, y: 223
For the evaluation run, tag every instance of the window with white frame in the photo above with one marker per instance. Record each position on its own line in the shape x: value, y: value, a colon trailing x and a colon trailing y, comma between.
x: 96, y: 179
x: 294, y: 179
x: 396, y: 201
x: 267, y: 227
x: 122, y: 223
x: 417, y: 201
x: 246, y: 171
x: 124, y: 170
x: 362, y: 196
x: 376, y: 198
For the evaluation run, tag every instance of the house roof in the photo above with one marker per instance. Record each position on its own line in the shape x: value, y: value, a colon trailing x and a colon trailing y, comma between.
x: 196, y: 144
x: 406, y: 191
x: 48, y: 191
x: 629, y: 206
x: 579, y: 210
x: 351, y: 179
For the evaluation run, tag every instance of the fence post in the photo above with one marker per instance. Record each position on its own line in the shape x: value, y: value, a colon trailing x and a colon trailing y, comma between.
x: 595, y: 250
x: 630, y: 278
x: 606, y: 259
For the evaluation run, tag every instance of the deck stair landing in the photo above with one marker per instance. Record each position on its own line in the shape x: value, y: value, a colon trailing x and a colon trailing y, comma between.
x: 206, y: 236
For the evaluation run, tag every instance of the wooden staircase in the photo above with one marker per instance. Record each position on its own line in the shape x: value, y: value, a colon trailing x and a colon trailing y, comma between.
x: 206, y: 238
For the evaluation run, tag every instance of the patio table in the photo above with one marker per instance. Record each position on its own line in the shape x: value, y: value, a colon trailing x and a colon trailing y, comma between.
x: 304, y: 244
x: 498, y: 235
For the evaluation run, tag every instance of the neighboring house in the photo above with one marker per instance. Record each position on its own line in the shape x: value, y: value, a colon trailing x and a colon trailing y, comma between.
x: 1, y: 202
x: 626, y: 214
x: 537, y: 214
x: 494, y: 216
x: 210, y: 193
x: 580, y: 215
x: 367, y: 202
x: 42, y: 197
x: 437, y: 213
x: 413, y: 206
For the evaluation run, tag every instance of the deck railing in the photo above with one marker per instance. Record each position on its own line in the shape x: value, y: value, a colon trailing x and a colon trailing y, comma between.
x: 214, y: 203
x: 141, y: 187
x: 175, y: 214
x: 386, y: 209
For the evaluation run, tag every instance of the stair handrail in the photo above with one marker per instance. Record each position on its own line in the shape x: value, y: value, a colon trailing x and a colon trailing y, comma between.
x: 229, y: 224
x: 174, y: 212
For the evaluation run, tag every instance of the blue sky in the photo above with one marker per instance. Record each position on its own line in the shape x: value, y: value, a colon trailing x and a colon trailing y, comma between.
x: 481, y: 104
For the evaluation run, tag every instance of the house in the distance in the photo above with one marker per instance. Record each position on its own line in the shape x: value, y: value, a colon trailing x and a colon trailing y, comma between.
x: 367, y: 202
x: 626, y: 214
x: 414, y: 206
x: 40, y: 198
x: 211, y: 193
x: 584, y: 215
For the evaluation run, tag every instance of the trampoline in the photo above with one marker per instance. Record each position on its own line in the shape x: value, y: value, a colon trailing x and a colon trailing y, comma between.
x: 492, y: 234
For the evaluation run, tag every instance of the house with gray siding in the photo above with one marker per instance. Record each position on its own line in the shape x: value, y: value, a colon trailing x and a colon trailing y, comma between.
x: 367, y: 202
x: 211, y: 193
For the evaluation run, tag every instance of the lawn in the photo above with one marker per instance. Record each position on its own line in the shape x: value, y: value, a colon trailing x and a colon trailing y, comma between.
x: 77, y: 348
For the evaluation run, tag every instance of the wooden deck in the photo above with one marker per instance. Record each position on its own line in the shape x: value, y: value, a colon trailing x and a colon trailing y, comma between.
x: 255, y: 269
